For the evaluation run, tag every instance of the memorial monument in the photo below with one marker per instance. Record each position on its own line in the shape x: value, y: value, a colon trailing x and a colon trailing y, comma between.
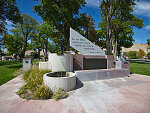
x: 92, y: 56
x: 91, y: 64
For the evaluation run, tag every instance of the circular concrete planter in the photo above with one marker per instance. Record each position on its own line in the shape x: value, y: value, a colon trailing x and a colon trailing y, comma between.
x: 60, y: 62
x: 55, y: 80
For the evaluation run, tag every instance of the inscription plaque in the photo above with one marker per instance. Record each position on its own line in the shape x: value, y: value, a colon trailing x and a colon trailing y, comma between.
x: 94, y: 64
x: 83, y: 45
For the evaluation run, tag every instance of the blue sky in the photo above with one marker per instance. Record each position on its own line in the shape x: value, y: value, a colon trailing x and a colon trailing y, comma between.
x: 141, y: 10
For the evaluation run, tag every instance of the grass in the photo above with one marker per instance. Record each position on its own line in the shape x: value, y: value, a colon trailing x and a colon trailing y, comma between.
x: 140, y: 68
x: 9, y: 70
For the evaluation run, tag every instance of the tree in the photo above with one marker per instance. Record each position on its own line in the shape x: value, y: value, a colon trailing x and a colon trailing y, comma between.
x: 91, y: 33
x: 8, y: 11
x: 132, y: 54
x: 14, y: 43
x: 141, y: 53
x: 25, y: 27
x: 148, y: 42
x: 121, y: 24
x: 63, y: 14
x: 40, y: 38
x: 106, y: 8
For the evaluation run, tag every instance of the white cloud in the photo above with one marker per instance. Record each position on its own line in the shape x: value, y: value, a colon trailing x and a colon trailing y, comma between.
x: 142, y: 8
x: 147, y: 27
x: 92, y: 3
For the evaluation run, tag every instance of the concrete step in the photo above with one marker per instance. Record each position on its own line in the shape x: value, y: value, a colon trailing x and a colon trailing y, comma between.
x: 100, y: 74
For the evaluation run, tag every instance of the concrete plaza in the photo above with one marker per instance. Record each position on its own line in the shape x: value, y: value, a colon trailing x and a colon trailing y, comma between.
x: 121, y: 95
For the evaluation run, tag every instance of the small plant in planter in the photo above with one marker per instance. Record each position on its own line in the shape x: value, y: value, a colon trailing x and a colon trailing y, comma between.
x: 59, y: 94
x: 43, y: 92
x: 34, y: 88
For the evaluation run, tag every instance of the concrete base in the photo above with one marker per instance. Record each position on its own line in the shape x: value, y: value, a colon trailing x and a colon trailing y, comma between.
x: 60, y: 62
x: 27, y: 64
x: 89, y: 75
x: 78, y: 61
x: 54, y: 83
x: 123, y: 64
x: 43, y: 65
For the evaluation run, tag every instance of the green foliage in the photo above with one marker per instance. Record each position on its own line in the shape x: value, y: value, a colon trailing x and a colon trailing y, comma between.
x: 60, y: 94
x: 14, y: 42
x: 40, y: 37
x: 34, y: 88
x: 34, y: 55
x: 148, y: 55
x: 148, y: 41
x: 43, y: 92
x: 24, y: 93
x: 118, y: 23
x: 132, y: 54
x: 61, y: 14
x: 22, y: 90
x: 141, y: 53
x: 34, y: 78
x: 26, y: 27
x: 8, y: 11
x: 36, y: 62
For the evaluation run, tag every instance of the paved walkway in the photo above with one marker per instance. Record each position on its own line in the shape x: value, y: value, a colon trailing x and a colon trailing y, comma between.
x: 122, y: 95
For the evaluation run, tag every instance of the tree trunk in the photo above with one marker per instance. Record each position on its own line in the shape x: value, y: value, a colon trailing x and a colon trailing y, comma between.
x: 46, y: 50
x: 109, y: 35
x: 39, y: 53
x: 24, y: 49
x: 116, y: 46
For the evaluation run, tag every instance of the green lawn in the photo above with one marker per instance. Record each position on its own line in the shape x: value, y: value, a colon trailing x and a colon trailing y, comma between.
x: 8, y: 70
x: 140, y: 68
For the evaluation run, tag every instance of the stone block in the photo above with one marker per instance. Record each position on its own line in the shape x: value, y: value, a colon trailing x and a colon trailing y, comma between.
x: 27, y: 64
x: 43, y: 65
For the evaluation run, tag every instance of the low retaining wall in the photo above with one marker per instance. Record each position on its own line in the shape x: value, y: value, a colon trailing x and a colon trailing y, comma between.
x: 54, y: 83
x: 99, y: 74
x: 43, y: 65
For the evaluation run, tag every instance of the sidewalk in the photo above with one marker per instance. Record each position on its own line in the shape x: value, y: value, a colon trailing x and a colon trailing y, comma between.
x: 121, y: 95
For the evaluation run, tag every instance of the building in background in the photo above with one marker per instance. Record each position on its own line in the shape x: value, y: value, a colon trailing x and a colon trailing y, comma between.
x: 136, y: 47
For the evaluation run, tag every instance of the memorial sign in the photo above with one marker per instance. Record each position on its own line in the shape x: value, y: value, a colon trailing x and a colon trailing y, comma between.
x: 83, y: 45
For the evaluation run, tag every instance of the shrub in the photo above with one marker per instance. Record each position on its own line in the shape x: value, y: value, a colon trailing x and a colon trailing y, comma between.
x: 140, y: 53
x: 132, y: 54
x: 22, y: 90
x: 148, y: 55
x: 34, y: 78
x: 60, y: 94
x: 43, y: 92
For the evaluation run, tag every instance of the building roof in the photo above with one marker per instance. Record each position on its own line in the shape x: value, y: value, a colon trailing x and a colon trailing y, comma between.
x: 136, y: 47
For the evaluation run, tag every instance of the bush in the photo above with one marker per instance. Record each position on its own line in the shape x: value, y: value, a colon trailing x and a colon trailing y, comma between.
x: 34, y: 78
x: 33, y: 86
x: 132, y: 54
x: 43, y: 92
x: 148, y: 55
x: 140, y: 53
x: 22, y: 90
x: 60, y: 94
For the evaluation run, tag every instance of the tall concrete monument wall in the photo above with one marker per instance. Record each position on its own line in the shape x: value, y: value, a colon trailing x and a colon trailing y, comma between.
x: 83, y: 45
